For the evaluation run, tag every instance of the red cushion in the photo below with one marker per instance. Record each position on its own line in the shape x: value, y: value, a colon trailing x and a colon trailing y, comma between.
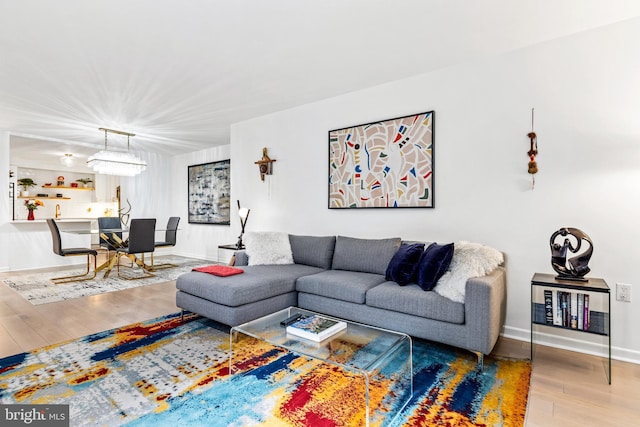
x: 219, y: 270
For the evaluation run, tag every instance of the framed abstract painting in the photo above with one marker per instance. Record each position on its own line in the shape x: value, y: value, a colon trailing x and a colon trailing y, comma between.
x: 209, y: 193
x: 385, y: 164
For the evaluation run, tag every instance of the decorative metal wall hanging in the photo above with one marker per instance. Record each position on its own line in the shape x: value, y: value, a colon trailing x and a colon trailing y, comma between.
x: 533, y: 152
x: 265, y: 164
x: 574, y: 268
x: 386, y: 164
x: 209, y: 193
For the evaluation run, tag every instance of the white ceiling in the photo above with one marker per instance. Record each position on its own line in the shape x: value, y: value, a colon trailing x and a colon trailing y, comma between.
x: 178, y: 73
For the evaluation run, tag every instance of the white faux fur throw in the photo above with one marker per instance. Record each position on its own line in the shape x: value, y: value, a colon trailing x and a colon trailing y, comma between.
x: 268, y: 247
x: 469, y: 260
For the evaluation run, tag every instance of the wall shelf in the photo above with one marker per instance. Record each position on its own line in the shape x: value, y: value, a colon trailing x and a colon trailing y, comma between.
x: 44, y: 198
x: 68, y: 187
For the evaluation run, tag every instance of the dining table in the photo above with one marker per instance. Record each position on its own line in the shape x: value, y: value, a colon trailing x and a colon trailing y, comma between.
x: 113, y: 257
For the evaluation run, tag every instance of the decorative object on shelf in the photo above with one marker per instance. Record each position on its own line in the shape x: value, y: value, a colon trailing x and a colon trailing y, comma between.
x: 265, y: 164
x: 209, y: 189
x: 123, y: 214
x: 384, y: 164
x: 244, y: 216
x: 67, y: 160
x: 26, y: 183
x: 116, y: 162
x: 533, y: 152
x: 32, y: 205
x: 84, y: 181
x: 60, y: 181
x: 10, y: 174
x: 574, y: 268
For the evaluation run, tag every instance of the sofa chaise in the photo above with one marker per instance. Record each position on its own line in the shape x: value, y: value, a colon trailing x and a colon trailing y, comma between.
x: 346, y: 278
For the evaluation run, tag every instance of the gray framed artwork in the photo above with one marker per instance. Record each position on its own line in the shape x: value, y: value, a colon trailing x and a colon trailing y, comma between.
x: 209, y: 193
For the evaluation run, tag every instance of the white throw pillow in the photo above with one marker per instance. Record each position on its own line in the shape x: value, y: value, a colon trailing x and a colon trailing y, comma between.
x: 469, y: 260
x: 268, y: 247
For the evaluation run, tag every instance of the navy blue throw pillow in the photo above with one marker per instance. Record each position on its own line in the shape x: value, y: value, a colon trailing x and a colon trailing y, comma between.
x: 433, y: 263
x: 402, y: 266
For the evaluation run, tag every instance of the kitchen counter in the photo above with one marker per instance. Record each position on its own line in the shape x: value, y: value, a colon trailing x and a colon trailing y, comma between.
x: 44, y: 220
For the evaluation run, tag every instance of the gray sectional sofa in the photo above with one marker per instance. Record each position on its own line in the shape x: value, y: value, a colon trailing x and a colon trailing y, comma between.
x: 345, y: 277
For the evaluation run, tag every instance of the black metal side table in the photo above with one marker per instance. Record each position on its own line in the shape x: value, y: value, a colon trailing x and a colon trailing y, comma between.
x: 560, y: 304
x: 231, y: 247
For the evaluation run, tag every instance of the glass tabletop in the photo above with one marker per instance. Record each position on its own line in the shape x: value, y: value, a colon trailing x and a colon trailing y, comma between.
x: 359, y: 346
x: 104, y: 230
x: 96, y: 231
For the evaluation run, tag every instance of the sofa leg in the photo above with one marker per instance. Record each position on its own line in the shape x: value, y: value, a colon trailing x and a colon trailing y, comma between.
x: 480, y: 357
x: 182, y: 315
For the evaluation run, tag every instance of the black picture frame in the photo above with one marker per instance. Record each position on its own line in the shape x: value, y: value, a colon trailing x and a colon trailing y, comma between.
x: 383, y: 164
x: 209, y: 193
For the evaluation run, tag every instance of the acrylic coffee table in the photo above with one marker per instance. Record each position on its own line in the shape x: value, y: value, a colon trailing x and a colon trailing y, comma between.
x: 371, y: 353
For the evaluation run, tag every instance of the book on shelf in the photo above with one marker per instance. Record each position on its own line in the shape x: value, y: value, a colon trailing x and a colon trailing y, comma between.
x: 315, y: 328
x: 557, y: 308
x: 581, y: 311
x: 586, y: 314
x: 566, y: 309
x: 548, y: 307
x: 574, y: 311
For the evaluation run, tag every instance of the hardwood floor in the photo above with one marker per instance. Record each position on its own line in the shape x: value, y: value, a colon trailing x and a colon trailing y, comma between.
x: 567, y: 388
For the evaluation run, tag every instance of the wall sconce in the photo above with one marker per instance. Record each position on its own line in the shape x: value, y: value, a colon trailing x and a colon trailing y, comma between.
x: 265, y: 164
x: 244, y: 216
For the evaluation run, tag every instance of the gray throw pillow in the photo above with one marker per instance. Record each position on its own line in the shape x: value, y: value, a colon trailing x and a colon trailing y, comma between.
x: 315, y: 251
x: 364, y: 255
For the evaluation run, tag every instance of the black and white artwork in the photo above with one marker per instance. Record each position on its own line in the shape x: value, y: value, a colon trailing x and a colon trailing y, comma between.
x: 209, y: 193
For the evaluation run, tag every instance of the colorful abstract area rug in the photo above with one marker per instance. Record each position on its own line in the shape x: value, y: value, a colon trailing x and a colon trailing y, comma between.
x: 169, y: 372
x: 37, y: 288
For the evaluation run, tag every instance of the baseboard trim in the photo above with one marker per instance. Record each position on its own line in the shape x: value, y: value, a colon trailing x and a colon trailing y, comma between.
x: 191, y: 255
x: 572, y: 344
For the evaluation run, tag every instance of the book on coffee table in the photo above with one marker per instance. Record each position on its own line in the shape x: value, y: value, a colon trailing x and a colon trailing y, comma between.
x: 315, y: 328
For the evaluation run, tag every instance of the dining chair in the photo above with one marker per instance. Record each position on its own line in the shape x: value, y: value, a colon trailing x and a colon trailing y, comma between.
x: 141, y: 240
x: 59, y: 250
x: 110, y: 240
x: 170, y: 237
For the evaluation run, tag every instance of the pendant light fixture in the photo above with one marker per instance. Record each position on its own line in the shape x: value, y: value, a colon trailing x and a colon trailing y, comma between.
x: 107, y: 162
x: 67, y: 160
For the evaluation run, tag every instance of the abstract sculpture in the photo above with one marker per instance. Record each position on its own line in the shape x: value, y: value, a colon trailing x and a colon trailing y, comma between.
x: 574, y: 268
x: 532, y: 167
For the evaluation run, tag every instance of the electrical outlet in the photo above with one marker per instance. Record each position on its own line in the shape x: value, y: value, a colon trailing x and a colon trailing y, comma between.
x: 623, y: 292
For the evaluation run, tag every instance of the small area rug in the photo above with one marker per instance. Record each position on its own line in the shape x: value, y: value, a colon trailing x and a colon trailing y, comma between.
x: 168, y: 372
x: 37, y: 288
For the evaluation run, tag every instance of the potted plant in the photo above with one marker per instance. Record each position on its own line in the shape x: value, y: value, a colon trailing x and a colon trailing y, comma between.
x: 84, y: 181
x: 25, y: 183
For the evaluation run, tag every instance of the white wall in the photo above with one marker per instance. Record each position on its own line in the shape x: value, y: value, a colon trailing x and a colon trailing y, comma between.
x: 585, y: 91
x: 5, y: 202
